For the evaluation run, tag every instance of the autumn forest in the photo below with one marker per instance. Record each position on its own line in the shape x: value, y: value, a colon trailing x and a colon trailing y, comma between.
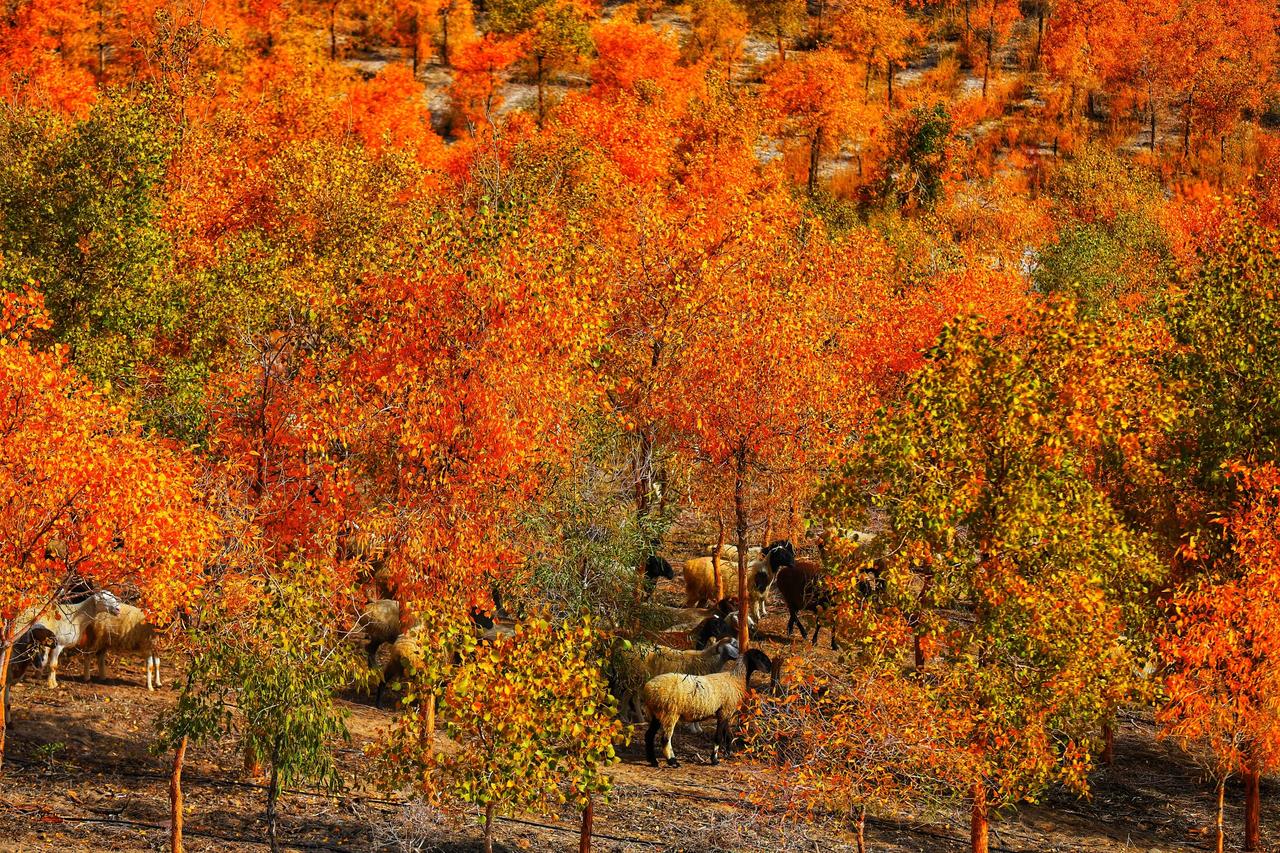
x: 679, y: 425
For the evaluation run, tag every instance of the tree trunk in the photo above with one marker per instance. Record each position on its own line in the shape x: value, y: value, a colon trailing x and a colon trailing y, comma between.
x: 444, y: 35
x: 1108, y: 744
x: 860, y: 827
x: 541, y: 109
x: 889, y: 78
x: 1039, y: 35
x: 1252, y: 809
x: 782, y: 51
x: 979, y: 828
x: 1222, y: 788
x: 1186, y: 134
x: 991, y: 38
x: 333, y: 31
x: 488, y: 828
x: 1151, y: 104
x: 273, y: 798
x: 715, y: 557
x: 175, y: 797
x: 414, y: 31
x: 918, y: 648
x: 4, y: 698
x: 966, y: 21
x: 866, y: 87
x: 740, y: 515
x: 588, y: 816
x: 815, y: 152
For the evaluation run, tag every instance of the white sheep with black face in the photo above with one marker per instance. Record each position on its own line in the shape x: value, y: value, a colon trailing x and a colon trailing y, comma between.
x: 677, y: 697
x: 634, y: 666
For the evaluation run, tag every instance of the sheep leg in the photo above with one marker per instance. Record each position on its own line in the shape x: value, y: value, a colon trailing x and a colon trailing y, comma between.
x: 797, y: 623
x: 817, y: 628
x: 88, y: 671
x: 156, y: 658
x: 102, y: 665
x: 648, y: 741
x: 670, y: 730
x: 150, y: 686
x: 51, y: 680
x: 722, y: 728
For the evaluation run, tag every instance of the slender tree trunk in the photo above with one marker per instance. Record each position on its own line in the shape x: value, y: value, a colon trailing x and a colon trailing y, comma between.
x: 1039, y: 34
x: 991, y: 39
x: 966, y: 23
x: 889, y: 77
x: 866, y: 88
x: 1151, y: 105
x: 588, y: 817
x: 782, y: 51
x: 918, y: 648
x: 333, y: 31
x: 860, y: 828
x: 1186, y: 135
x: 1222, y: 162
x: 815, y: 152
x: 102, y: 43
x: 4, y: 698
x: 273, y: 799
x: 1108, y: 744
x: 1252, y: 808
x: 1222, y: 837
x: 414, y: 31
x: 979, y: 826
x: 740, y: 514
x: 488, y: 828
x: 175, y: 797
x: 715, y: 557
x: 444, y: 34
x: 541, y: 82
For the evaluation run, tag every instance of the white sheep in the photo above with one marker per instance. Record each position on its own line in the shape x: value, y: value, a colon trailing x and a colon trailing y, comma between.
x: 127, y: 633
x: 67, y: 622
x: 677, y: 697
x: 635, y: 666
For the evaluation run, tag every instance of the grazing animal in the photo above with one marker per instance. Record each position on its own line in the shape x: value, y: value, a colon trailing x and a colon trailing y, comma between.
x: 700, y: 582
x: 27, y: 649
x: 676, y: 697
x: 779, y: 553
x: 67, y: 622
x: 636, y: 665
x: 717, y: 626
x: 730, y: 552
x: 656, y: 567
x: 802, y: 589
x: 125, y: 632
x: 406, y: 656
x: 379, y: 623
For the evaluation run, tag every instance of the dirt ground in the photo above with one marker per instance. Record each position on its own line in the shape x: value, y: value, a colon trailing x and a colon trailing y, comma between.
x: 78, y: 775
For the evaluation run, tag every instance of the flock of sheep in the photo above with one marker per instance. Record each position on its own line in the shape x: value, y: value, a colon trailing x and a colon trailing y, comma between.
x: 665, y: 684
x: 661, y: 683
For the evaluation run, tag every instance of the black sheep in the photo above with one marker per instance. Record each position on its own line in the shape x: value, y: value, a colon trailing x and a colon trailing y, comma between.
x: 656, y: 567
x: 802, y: 589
